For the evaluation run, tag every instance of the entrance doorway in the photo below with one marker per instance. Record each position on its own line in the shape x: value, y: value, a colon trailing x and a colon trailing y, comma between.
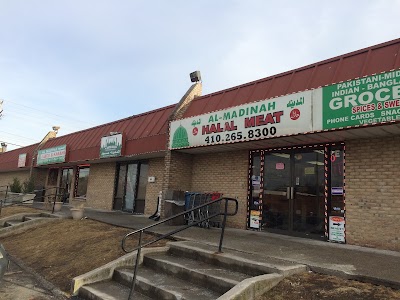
x: 65, y: 183
x: 131, y: 187
x: 290, y: 190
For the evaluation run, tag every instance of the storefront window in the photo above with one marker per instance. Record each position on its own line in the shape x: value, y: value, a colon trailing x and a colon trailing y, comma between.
x: 337, y: 188
x: 82, y: 183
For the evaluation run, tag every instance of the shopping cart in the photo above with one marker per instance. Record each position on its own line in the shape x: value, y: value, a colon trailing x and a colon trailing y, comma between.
x: 215, y: 208
x: 195, y: 199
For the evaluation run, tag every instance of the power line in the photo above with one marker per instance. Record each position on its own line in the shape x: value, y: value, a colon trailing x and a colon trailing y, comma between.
x: 15, y: 103
x: 11, y: 144
x: 35, y: 121
x: 13, y: 134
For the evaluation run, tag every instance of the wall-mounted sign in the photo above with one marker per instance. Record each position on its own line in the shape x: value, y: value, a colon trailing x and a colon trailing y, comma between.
x: 280, y: 166
x: 337, y: 229
x: 337, y: 191
x: 290, y: 114
x: 22, y: 160
x: 255, y: 180
x: 52, y: 155
x: 111, y: 145
x: 364, y: 101
x: 368, y: 100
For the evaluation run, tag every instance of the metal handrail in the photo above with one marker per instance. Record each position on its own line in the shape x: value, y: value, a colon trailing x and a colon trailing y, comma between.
x: 56, y: 194
x: 142, y: 230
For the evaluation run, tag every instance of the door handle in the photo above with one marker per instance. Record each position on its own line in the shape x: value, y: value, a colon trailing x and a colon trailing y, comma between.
x: 292, y: 192
x: 288, y: 192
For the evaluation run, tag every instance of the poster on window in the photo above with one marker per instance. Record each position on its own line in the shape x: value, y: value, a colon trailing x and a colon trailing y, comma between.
x: 255, y: 219
x: 337, y: 229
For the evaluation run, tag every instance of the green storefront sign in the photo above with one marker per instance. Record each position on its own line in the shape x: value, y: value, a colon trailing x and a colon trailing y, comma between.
x: 363, y: 101
x: 111, y: 146
x: 52, y: 155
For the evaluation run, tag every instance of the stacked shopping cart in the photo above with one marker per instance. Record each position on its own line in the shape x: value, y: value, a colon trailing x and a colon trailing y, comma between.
x: 200, y: 216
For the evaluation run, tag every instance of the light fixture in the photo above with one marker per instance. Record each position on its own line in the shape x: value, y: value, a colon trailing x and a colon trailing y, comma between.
x: 195, y: 76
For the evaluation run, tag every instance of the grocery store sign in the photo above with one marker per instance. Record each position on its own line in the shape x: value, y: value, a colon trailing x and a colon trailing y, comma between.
x: 364, y: 101
x: 52, y: 155
x: 290, y: 114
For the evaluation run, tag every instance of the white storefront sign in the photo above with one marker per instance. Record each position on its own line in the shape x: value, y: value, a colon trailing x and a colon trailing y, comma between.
x: 286, y: 115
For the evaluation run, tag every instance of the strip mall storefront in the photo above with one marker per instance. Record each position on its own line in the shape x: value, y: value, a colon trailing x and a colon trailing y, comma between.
x: 299, y: 148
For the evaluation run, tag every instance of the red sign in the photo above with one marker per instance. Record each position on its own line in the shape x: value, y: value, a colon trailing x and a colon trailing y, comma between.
x: 295, y: 114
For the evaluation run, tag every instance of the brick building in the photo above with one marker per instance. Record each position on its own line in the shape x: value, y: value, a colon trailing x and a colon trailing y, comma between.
x: 312, y: 152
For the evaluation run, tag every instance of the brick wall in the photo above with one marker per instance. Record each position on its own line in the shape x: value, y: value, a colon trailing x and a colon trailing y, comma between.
x: 39, y: 177
x: 178, y: 175
x: 7, y: 178
x: 193, y: 92
x: 373, y: 192
x: 156, y: 169
x: 227, y: 173
x: 100, y: 191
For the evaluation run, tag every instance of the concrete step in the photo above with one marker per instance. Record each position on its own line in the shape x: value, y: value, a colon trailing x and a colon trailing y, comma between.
x: 241, y: 262
x: 12, y: 223
x: 210, y: 276
x: 30, y: 218
x: 163, y: 286
x: 108, y: 290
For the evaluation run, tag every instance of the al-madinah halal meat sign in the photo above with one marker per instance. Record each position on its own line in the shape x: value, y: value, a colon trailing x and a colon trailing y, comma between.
x: 284, y: 115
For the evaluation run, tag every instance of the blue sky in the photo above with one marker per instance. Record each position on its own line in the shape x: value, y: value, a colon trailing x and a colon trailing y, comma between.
x: 77, y: 64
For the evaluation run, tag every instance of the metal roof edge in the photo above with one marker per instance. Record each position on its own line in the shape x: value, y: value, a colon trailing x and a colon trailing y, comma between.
x: 312, y: 65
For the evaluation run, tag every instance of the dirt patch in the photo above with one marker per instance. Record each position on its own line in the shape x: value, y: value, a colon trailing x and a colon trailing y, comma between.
x: 66, y: 248
x: 12, y: 210
x: 312, y: 286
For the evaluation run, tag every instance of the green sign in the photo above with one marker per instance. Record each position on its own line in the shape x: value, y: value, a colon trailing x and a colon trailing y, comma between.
x: 51, y: 155
x: 180, y: 138
x: 111, y: 146
x: 363, y: 101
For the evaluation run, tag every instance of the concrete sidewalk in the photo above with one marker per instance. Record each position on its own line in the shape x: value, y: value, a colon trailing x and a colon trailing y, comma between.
x: 352, y: 262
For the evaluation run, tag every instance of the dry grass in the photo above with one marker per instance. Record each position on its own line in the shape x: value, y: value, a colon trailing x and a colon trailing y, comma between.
x: 66, y: 248
x: 12, y: 210
x: 312, y: 286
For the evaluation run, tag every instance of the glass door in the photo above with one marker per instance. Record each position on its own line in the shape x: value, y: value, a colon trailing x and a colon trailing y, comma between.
x: 291, y: 191
x: 65, y: 184
x: 308, y: 192
x: 276, y: 191
x: 130, y: 191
